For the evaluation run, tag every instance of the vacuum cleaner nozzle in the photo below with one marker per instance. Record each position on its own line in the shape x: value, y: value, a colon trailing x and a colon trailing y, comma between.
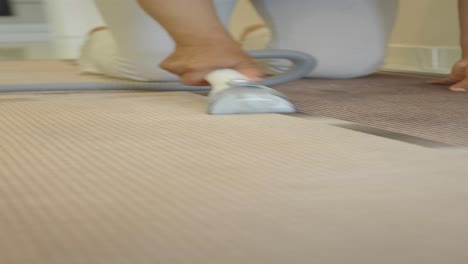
x: 248, y: 99
x: 233, y: 93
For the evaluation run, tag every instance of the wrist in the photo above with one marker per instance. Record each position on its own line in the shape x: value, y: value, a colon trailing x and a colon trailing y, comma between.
x: 207, y: 41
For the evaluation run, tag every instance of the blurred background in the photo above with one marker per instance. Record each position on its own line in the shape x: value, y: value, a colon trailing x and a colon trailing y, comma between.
x: 425, y: 37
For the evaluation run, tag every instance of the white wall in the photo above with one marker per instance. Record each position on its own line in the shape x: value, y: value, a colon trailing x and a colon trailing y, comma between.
x: 427, y: 23
x: 425, y: 37
x: 28, y: 22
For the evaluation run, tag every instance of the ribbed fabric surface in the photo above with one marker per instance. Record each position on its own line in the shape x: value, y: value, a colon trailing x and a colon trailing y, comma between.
x: 401, y: 103
x: 46, y: 71
x: 145, y: 178
x: 394, y: 102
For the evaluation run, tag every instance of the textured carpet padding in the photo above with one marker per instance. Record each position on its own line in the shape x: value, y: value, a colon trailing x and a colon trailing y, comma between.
x: 393, y: 102
x: 46, y: 71
x: 144, y: 178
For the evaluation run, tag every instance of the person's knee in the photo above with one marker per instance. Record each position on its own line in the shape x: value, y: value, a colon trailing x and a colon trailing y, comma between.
x: 346, y: 71
x: 347, y: 67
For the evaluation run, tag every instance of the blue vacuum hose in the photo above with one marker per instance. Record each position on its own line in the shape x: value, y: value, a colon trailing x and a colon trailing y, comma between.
x: 302, y: 65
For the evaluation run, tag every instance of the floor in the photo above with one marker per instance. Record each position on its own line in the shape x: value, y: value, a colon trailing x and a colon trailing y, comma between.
x: 400, y: 103
x: 371, y: 170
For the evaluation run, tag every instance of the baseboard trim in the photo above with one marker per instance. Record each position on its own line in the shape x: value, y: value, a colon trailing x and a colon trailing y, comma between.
x: 24, y: 32
x: 421, y: 58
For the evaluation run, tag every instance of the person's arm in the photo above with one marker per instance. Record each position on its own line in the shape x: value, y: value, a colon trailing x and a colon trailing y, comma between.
x: 463, y: 18
x: 202, y: 42
x: 189, y: 22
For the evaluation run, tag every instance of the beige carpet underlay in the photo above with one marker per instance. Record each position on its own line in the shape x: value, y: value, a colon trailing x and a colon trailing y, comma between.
x: 46, y: 71
x: 145, y: 177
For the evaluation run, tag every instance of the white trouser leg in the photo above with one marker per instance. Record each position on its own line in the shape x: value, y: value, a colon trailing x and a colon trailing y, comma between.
x: 136, y: 44
x: 348, y: 37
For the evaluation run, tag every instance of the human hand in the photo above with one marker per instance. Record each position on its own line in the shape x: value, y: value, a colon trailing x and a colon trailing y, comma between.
x: 193, y: 63
x: 457, y: 79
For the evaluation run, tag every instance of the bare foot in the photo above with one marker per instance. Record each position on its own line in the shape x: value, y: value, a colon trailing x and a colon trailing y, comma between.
x: 458, y: 78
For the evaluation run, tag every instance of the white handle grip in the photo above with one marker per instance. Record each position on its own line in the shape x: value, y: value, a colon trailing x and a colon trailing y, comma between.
x: 220, y: 79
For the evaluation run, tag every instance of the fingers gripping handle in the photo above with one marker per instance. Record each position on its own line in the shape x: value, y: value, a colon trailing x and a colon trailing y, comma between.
x: 224, y: 78
x: 302, y: 65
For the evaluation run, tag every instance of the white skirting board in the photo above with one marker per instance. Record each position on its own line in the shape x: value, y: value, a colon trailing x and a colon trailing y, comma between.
x: 426, y: 59
x: 24, y: 33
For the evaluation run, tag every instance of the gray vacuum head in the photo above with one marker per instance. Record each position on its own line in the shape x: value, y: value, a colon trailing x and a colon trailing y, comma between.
x: 248, y: 100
